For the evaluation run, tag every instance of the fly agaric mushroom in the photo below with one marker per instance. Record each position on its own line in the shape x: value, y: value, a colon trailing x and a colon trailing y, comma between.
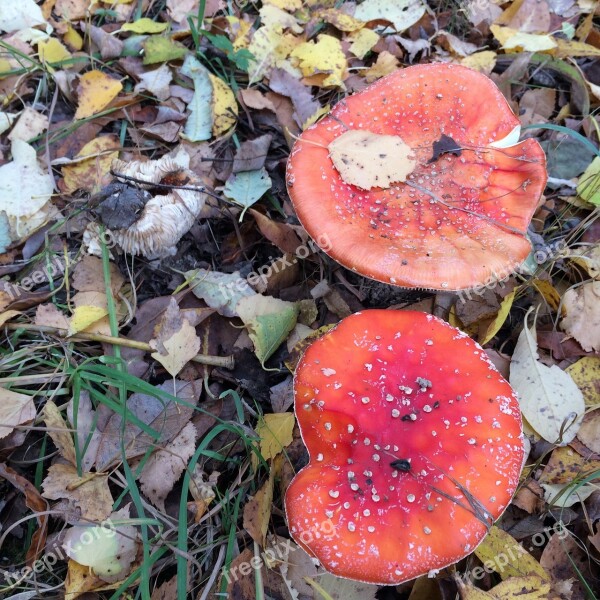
x: 415, y: 446
x: 447, y: 206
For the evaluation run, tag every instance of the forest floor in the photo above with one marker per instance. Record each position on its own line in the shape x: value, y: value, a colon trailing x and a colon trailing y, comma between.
x: 150, y: 332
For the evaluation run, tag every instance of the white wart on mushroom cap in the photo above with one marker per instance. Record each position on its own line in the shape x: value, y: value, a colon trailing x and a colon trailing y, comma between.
x: 415, y: 447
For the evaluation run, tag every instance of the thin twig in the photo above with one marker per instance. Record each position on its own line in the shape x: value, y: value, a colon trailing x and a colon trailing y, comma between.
x: 226, y: 362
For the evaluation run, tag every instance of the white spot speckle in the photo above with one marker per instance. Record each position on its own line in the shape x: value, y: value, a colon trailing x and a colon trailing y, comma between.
x: 334, y: 493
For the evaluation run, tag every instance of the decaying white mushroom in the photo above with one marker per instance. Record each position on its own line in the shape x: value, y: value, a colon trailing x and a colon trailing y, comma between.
x: 166, y: 217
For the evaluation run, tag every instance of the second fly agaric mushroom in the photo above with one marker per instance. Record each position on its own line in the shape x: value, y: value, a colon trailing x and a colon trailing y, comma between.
x: 419, y: 181
x: 415, y: 447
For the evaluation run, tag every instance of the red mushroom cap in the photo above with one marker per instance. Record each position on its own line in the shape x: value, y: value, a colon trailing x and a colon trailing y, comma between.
x: 415, y: 446
x: 460, y: 217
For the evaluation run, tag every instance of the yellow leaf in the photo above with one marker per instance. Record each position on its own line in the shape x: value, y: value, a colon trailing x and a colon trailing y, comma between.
x: 573, y: 48
x: 362, y: 41
x: 500, y: 552
x: 95, y: 159
x: 59, y: 432
x: 548, y: 291
x: 324, y: 56
x: 275, y: 432
x: 72, y: 38
x: 385, y: 64
x: 531, y: 587
x: 144, y: 25
x: 96, y: 91
x: 511, y: 39
x: 15, y: 409
x: 370, y: 160
x: 84, y: 316
x: 340, y: 20
x: 496, y: 324
x: 321, y: 112
x: 586, y: 374
x: 481, y: 61
x: 52, y: 51
x: 224, y: 106
x: 8, y: 315
x: 181, y: 347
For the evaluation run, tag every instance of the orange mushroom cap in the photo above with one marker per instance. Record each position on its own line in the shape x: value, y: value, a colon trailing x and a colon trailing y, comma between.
x: 460, y: 218
x: 415, y: 447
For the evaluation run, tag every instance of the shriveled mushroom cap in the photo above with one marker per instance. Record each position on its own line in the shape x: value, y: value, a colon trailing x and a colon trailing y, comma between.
x: 415, y: 447
x: 460, y: 218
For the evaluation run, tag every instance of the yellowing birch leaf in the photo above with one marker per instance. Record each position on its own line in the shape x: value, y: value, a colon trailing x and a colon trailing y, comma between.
x: 499, y: 319
x: 481, y: 61
x: 96, y: 91
x: 275, y: 433
x: 549, y: 398
x: 340, y: 20
x: 15, y: 409
x: 52, y: 51
x: 369, y: 160
x: 324, y: 56
x: 502, y: 553
x: 72, y: 38
x: 91, y: 165
x: 224, y: 106
x: 362, y: 41
x: 386, y: 63
x: 586, y: 374
x: 181, y: 347
x: 144, y: 25
x: 84, y: 316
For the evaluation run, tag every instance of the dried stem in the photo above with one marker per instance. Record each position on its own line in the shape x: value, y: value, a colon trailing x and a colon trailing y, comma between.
x: 226, y: 362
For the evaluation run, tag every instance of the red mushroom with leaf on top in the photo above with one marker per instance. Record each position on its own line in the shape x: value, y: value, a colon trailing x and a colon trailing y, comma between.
x: 419, y: 181
x: 415, y: 446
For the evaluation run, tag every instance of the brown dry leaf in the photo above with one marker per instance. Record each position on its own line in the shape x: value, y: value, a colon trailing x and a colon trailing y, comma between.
x: 257, y: 511
x: 164, y: 467
x: 252, y: 98
x: 90, y: 492
x: 8, y: 315
x: 560, y: 557
x: 589, y: 432
x: 528, y: 16
x: 281, y: 235
x: 81, y: 580
x: 36, y: 504
x: 96, y: 91
x: 203, y: 492
x: 536, y: 106
x: 29, y: 125
x: 165, y: 417
x: 88, y: 276
x: 72, y: 10
x: 15, y: 409
x: 370, y: 160
x: 530, y: 497
x: 90, y: 169
x: 59, y: 431
x: 240, y: 579
x: 166, y: 591
x: 583, y: 315
x: 49, y: 315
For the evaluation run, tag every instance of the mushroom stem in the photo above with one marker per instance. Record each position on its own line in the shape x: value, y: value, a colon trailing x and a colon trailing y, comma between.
x: 226, y: 362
